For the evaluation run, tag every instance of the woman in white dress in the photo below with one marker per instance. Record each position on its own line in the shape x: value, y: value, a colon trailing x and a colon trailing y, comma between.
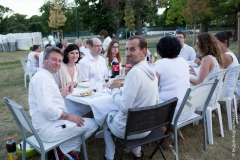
x: 33, y: 58
x: 106, y: 41
x: 229, y: 57
x: 70, y: 73
x: 212, y: 60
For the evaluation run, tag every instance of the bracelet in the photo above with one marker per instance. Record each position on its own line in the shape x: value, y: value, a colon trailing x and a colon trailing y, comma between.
x: 66, y: 117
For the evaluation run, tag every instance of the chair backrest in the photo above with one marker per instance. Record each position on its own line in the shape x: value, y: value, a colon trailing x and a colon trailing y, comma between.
x: 22, y: 119
x: 197, y: 96
x: 24, y: 62
x: 234, y: 72
x: 144, y: 119
x: 211, y: 78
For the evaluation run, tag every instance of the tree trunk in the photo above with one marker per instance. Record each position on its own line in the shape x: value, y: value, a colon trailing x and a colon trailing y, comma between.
x: 194, y: 34
x: 236, y: 23
x: 139, y: 25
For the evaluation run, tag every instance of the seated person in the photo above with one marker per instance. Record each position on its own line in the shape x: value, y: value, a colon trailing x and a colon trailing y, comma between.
x: 79, y: 43
x: 187, y: 52
x: 231, y: 60
x: 33, y: 56
x: 211, y: 58
x: 48, y: 110
x: 69, y: 71
x: 93, y: 66
x: 172, y: 71
x: 139, y: 90
x: 113, y: 50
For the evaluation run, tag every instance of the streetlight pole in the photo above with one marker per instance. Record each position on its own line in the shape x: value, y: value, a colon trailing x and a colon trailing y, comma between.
x: 77, y: 19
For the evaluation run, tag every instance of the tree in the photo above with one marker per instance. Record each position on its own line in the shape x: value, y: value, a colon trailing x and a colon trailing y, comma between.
x: 4, y: 12
x: 129, y: 19
x: 56, y: 18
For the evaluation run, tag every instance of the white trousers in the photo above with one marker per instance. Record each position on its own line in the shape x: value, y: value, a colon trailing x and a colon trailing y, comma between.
x: 110, y: 146
x: 76, y: 108
x: 56, y: 132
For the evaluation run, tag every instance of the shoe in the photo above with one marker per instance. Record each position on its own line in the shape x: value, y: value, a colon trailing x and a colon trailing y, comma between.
x: 142, y: 155
x: 59, y: 153
x: 74, y: 156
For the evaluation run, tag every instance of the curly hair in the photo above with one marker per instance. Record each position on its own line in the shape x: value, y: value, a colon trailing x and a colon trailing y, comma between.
x: 168, y: 47
x: 208, y: 45
x: 225, y: 36
x: 109, y: 52
x: 67, y: 50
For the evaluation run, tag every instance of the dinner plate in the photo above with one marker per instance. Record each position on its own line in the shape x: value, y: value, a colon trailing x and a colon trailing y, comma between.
x: 83, y: 93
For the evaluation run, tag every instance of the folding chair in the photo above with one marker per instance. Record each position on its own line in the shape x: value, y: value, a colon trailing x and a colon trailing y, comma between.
x: 145, y: 119
x: 25, y: 123
x: 199, y: 95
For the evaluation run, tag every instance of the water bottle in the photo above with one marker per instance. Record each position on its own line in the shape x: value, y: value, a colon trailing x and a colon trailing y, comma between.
x: 11, y: 149
x: 115, y: 67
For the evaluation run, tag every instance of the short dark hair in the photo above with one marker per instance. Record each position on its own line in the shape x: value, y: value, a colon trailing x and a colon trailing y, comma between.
x: 168, y: 47
x: 47, y: 45
x: 49, y: 49
x: 68, y: 49
x: 180, y: 32
x: 142, y: 41
x: 90, y: 42
x: 103, y: 33
x: 59, y: 45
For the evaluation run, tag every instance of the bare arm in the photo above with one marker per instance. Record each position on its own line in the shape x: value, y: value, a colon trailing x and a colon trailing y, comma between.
x: 207, y: 65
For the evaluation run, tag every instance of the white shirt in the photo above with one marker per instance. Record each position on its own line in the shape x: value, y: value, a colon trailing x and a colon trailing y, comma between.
x: 139, y: 90
x: 45, y: 100
x: 106, y: 44
x: 174, y: 81
x: 34, y: 62
x: 41, y: 59
x: 84, y: 50
x: 187, y: 53
x: 93, y: 69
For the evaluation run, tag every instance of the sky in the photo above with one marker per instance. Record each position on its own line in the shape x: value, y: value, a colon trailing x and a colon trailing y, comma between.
x: 27, y: 7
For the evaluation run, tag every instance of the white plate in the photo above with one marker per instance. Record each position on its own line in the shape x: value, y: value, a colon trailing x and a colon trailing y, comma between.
x: 81, y: 95
x: 119, y: 77
x: 84, y: 84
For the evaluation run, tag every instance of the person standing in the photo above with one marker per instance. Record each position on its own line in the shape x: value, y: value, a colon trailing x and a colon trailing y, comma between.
x: 186, y: 52
x: 106, y: 41
x: 139, y: 90
x: 49, y: 114
x: 93, y: 66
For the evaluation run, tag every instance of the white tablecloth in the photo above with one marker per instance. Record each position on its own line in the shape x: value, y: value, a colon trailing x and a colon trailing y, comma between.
x: 101, y: 104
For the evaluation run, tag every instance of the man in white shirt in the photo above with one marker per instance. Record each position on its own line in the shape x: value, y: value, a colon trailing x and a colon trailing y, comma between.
x: 93, y: 66
x: 187, y: 52
x: 140, y: 89
x: 49, y: 114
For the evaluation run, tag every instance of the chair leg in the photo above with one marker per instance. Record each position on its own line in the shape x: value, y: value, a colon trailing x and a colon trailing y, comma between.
x: 176, y: 142
x: 220, y: 119
x: 204, y: 134
x: 24, y: 149
x: 209, y: 125
x: 84, y: 148
x: 229, y: 114
x: 235, y: 108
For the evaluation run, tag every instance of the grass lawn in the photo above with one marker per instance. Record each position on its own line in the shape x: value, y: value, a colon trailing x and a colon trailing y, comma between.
x: 12, y: 86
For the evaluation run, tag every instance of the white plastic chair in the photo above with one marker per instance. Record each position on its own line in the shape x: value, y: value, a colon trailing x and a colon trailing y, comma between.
x: 213, y: 104
x: 26, y: 70
x: 231, y: 96
x: 199, y: 95
x: 25, y: 123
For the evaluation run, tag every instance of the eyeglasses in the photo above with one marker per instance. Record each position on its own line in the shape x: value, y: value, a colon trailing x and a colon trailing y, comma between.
x: 179, y: 37
x: 115, y: 46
